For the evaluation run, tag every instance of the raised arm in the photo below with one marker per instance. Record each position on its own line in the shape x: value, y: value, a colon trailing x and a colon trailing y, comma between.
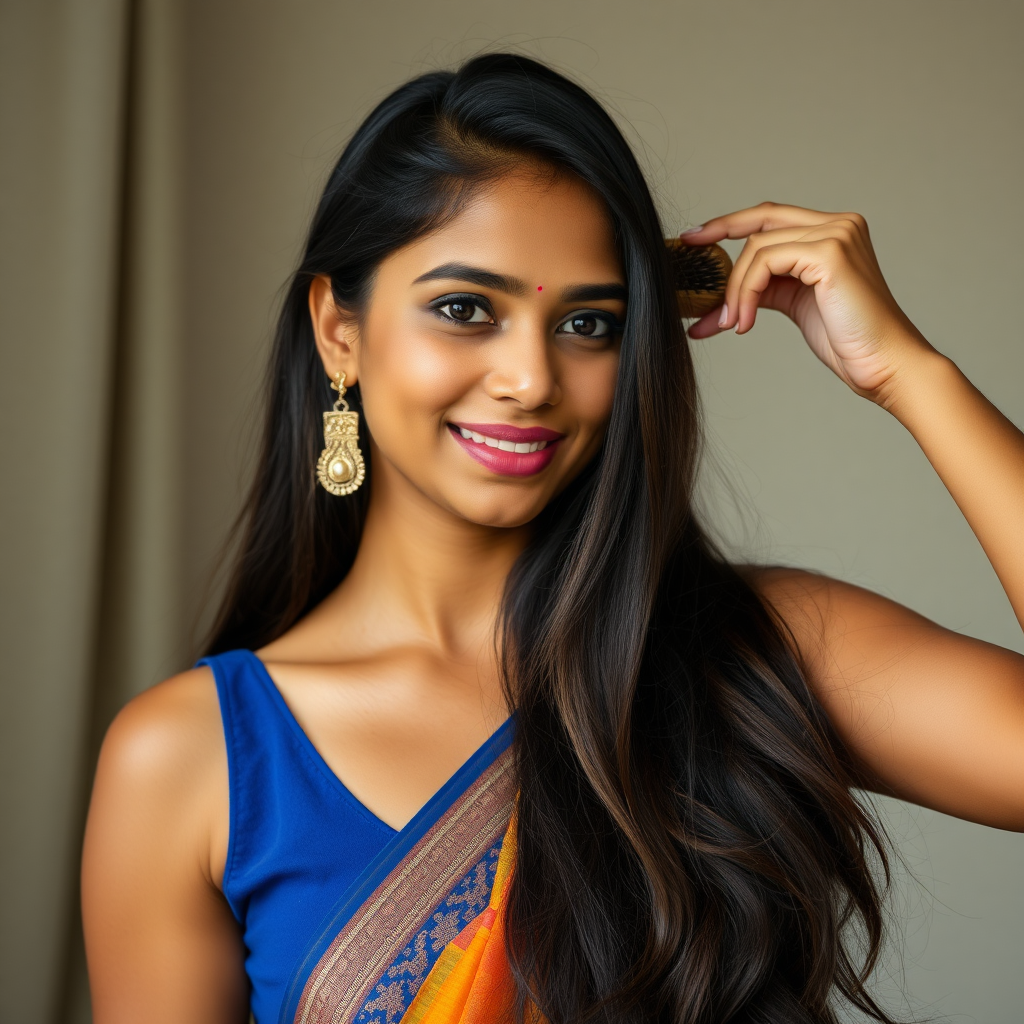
x: 935, y: 716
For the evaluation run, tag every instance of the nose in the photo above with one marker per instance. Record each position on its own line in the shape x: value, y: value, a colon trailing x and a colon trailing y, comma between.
x: 523, y: 369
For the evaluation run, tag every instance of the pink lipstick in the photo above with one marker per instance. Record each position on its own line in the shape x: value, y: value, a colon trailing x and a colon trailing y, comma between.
x: 507, y: 450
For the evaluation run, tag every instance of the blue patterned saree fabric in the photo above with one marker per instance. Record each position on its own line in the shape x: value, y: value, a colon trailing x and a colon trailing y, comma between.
x: 302, y: 849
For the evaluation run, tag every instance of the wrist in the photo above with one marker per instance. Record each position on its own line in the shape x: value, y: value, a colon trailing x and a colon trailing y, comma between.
x: 923, y: 374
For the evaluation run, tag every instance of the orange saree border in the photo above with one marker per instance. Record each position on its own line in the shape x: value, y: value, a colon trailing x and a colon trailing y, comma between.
x: 472, y: 983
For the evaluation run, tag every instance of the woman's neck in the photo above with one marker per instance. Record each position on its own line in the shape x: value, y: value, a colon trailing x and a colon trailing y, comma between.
x: 423, y: 574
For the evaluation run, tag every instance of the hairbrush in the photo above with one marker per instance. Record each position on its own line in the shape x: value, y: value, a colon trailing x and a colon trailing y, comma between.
x: 700, y: 273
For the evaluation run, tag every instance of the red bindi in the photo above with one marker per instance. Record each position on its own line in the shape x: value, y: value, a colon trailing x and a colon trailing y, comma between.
x: 540, y: 287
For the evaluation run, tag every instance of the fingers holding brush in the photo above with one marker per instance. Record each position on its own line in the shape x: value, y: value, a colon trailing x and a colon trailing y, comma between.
x: 768, y: 224
x: 820, y: 270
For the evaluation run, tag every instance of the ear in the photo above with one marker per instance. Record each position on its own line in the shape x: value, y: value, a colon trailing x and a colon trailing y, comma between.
x: 335, y: 332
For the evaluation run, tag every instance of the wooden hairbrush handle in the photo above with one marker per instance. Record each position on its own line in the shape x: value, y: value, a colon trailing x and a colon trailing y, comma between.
x: 701, y: 273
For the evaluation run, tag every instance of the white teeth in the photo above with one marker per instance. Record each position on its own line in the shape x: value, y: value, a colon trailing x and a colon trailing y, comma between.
x: 506, y: 446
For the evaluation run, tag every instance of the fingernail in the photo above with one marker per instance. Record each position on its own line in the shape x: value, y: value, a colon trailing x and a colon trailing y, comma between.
x: 693, y: 231
x: 724, y: 317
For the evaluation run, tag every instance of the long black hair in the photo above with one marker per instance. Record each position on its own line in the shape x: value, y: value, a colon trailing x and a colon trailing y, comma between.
x: 688, y: 846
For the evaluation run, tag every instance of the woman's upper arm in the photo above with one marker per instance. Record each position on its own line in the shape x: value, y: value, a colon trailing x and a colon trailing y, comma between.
x: 161, y: 942
x: 936, y: 717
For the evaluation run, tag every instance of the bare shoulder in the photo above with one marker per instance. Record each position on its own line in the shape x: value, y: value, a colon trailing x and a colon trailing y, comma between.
x: 163, y: 766
x: 816, y: 597
x: 823, y: 615
x: 169, y: 731
x: 934, y: 716
x: 161, y: 941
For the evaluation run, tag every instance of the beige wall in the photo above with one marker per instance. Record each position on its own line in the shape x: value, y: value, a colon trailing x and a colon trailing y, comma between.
x: 907, y: 110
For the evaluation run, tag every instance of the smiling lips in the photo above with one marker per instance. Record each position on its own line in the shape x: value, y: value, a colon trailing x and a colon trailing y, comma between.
x: 506, y: 450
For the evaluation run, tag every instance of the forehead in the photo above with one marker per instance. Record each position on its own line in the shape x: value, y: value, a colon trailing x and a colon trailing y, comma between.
x: 534, y: 224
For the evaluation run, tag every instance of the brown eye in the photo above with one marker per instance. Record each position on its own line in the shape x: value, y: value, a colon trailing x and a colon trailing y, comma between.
x: 584, y: 325
x: 464, y: 312
x: 588, y: 325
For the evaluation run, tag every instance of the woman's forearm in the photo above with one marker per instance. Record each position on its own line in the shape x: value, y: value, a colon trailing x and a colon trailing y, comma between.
x: 977, y: 452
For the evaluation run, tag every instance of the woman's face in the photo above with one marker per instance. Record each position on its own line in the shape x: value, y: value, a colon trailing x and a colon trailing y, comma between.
x: 488, y: 352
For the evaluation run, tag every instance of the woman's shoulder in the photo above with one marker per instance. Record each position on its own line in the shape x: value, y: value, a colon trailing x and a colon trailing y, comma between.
x: 833, y: 624
x: 785, y: 582
x: 154, y: 856
x: 163, y: 766
x: 802, y: 599
x: 813, y: 605
x: 168, y: 728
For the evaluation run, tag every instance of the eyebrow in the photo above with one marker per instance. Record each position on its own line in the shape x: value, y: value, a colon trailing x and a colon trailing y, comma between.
x: 475, y: 275
x: 594, y: 292
x: 514, y: 286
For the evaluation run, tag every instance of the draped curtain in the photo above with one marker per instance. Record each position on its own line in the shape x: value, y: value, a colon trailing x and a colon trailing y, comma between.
x: 89, y: 537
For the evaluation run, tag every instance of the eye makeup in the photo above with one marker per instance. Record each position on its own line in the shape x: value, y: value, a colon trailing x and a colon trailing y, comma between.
x: 468, y: 302
x: 465, y: 307
x: 591, y: 323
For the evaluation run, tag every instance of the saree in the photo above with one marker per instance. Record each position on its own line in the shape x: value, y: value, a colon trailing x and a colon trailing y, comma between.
x: 418, y: 938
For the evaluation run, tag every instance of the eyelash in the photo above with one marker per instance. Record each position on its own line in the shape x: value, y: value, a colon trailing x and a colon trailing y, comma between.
x: 614, y: 327
x: 466, y: 299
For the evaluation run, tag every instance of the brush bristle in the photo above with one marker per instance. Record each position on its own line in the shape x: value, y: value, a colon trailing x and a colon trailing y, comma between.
x: 701, y: 273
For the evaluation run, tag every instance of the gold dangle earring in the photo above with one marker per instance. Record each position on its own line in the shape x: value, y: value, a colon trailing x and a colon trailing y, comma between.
x: 340, y: 468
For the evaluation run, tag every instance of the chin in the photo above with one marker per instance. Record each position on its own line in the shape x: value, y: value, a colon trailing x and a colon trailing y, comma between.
x: 502, y: 514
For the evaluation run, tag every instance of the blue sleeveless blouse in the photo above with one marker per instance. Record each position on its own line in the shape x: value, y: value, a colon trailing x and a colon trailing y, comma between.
x: 298, y: 838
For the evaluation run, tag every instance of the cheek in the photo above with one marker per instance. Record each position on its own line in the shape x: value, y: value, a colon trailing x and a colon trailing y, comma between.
x: 407, y: 378
x: 590, y: 387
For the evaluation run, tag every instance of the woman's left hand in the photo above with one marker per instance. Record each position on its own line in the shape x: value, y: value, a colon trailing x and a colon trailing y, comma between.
x: 820, y: 270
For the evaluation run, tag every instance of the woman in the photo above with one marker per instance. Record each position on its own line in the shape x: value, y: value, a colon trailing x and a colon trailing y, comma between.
x: 333, y: 817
